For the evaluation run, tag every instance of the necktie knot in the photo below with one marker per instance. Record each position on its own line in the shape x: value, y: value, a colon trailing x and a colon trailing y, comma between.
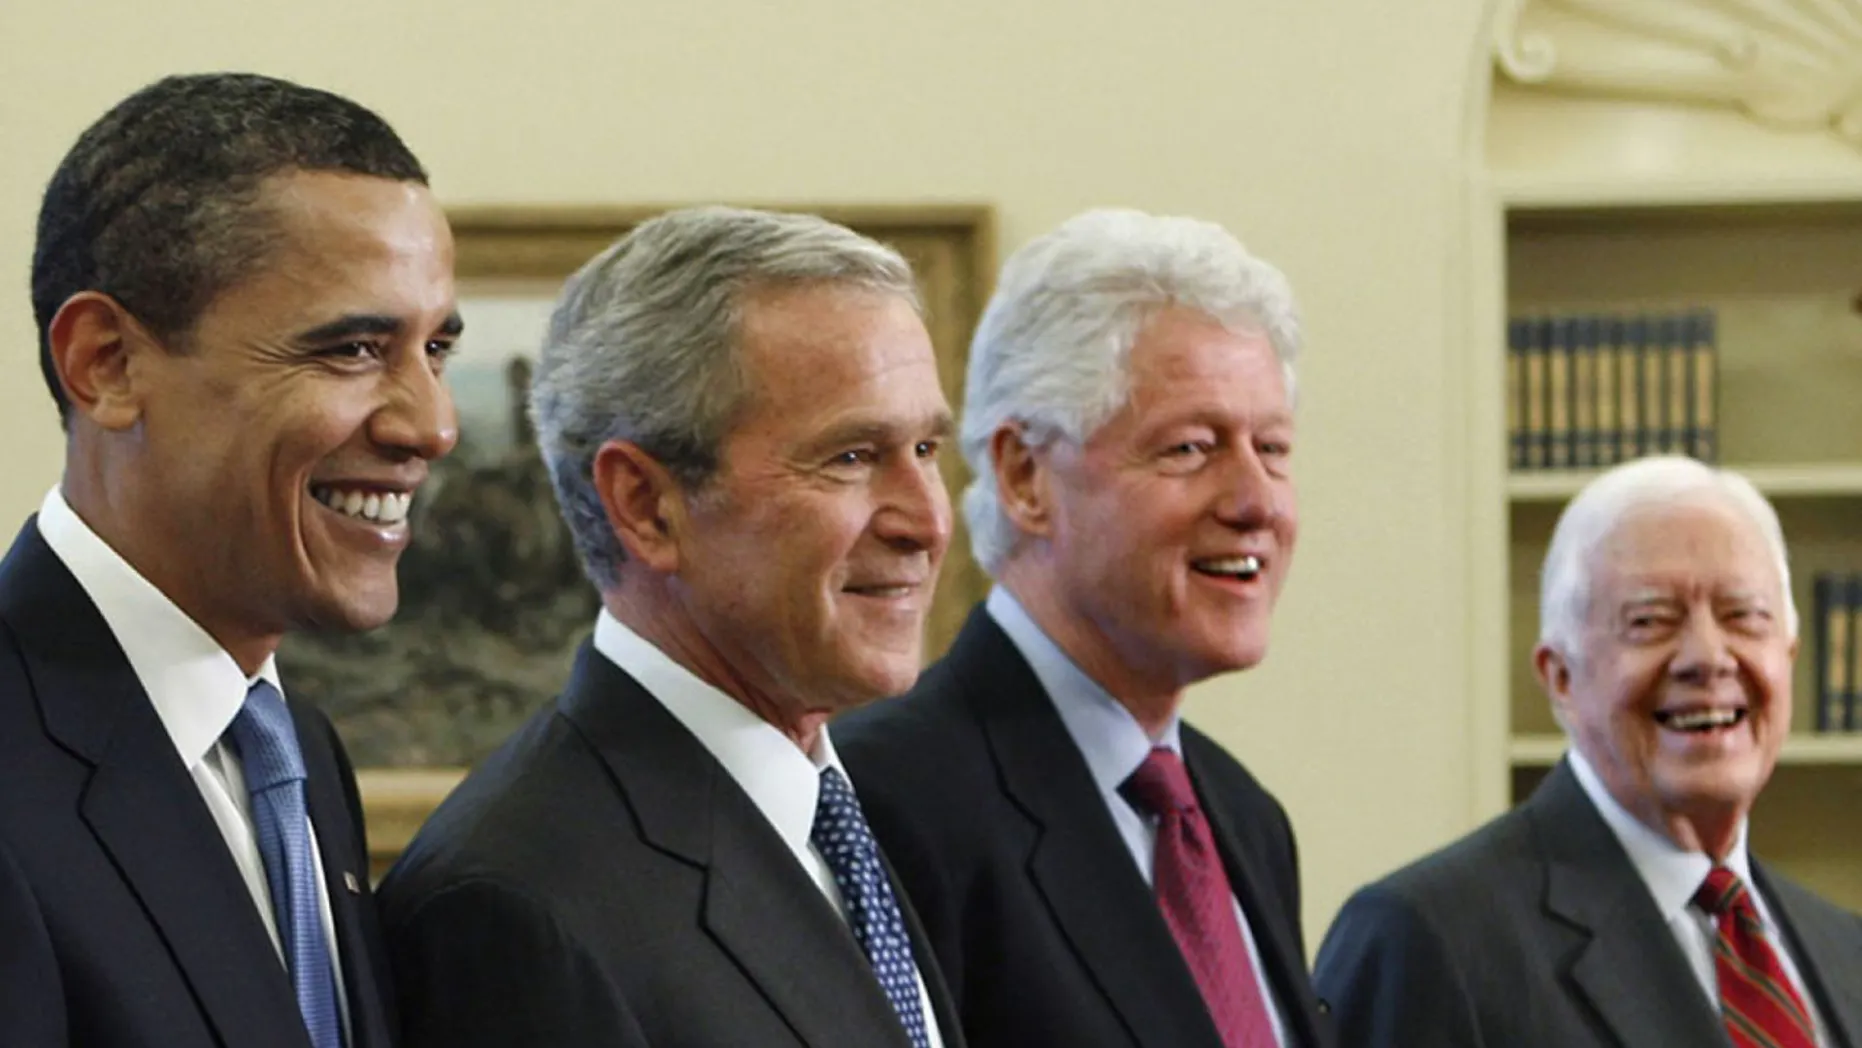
x: 1723, y: 893
x: 267, y: 739
x: 1161, y: 785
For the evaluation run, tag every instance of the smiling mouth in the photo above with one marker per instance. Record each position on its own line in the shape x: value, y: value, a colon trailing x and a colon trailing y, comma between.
x: 888, y: 591
x: 1246, y: 568
x: 1702, y: 721
x: 376, y: 507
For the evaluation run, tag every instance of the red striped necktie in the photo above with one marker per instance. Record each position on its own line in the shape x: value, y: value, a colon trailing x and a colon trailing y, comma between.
x: 1757, y: 1002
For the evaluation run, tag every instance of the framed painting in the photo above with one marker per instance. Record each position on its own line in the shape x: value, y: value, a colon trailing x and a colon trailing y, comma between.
x: 493, y: 601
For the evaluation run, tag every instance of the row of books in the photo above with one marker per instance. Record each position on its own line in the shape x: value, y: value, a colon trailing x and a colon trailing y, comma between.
x: 1595, y: 389
x: 1836, y: 600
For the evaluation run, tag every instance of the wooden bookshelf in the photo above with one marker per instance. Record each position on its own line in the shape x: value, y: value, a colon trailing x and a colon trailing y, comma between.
x: 1791, y: 481
x: 1781, y: 267
x: 1801, y: 750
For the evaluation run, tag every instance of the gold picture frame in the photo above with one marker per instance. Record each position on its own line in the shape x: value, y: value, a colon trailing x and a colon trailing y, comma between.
x: 525, y: 253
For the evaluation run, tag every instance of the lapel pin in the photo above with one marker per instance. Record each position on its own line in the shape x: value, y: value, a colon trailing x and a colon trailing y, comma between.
x: 349, y: 881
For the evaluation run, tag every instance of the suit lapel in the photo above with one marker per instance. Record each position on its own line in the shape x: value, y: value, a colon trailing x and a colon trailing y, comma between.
x: 949, y: 1023
x: 1827, y: 953
x: 141, y: 804
x: 1273, y: 926
x: 759, y: 905
x: 1624, y: 960
x: 345, y: 878
x: 1079, y: 860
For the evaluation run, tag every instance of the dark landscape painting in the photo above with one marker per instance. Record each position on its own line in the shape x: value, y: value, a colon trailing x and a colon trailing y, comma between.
x: 493, y: 601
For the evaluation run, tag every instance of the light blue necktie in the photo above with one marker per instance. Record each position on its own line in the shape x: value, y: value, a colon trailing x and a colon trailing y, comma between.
x: 274, y: 770
x: 842, y: 837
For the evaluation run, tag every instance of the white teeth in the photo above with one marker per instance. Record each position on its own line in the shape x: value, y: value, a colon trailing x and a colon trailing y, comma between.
x: 1246, y: 566
x: 379, y: 507
x: 1695, y: 720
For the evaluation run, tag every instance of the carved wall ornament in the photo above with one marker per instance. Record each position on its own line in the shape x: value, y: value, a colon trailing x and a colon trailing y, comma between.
x: 1793, y: 64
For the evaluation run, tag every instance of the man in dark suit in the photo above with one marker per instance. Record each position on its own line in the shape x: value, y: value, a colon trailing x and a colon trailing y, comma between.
x: 1618, y: 905
x: 243, y: 291
x: 1092, y: 871
x: 741, y: 416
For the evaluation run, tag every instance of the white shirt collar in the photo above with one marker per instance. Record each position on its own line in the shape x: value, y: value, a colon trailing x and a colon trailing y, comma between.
x: 1107, y: 735
x: 195, y: 686
x: 783, y: 782
x: 1671, y: 873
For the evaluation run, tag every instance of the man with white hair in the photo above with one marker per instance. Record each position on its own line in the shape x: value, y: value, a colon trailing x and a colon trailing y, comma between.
x: 1619, y: 904
x: 741, y: 416
x: 1092, y: 871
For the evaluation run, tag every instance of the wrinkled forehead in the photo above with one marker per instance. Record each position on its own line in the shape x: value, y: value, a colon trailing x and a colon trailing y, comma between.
x: 1702, y: 542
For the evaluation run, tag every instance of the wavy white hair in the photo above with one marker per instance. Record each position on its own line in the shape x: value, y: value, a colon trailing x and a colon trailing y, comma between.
x: 1052, y: 350
x: 1600, y: 508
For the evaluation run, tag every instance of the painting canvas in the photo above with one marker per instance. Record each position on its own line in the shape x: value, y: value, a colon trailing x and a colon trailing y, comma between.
x: 493, y: 600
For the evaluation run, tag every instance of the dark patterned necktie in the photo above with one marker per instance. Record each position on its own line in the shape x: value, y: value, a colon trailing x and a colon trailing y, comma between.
x: 1757, y: 1002
x: 274, y: 770
x: 843, y: 838
x: 1199, y: 907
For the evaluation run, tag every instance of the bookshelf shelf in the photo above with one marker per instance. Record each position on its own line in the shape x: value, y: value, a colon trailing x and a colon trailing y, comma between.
x: 1806, y: 481
x: 1539, y: 193
x: 1800, y: 750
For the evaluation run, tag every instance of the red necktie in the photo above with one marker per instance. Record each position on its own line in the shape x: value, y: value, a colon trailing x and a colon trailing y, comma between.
x: 1193, y: 892
x: 1757, y: 1002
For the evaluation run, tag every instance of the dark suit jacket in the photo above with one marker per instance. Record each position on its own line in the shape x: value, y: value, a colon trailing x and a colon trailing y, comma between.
x: 1046, y: 931
x: 123, y: 918
x: 1536, y: 932
x: 601, y: 880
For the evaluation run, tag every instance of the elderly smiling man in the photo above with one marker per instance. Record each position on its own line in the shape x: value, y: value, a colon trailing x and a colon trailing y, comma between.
x: 1619, y: 905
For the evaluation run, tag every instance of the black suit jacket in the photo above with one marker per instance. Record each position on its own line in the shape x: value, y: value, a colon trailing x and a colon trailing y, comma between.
x: 1046, y: 931
x: 124, y: 920
x: 601, y: 880
x: 1536, y: 931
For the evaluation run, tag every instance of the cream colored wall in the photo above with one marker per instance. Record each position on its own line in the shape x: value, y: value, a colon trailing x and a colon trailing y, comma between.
x: 1329, y: 135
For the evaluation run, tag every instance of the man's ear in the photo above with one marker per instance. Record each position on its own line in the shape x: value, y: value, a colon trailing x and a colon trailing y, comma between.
x: 1022, y: 486
x: 94, y: 341
x: 1554, y: 672
x: 643, y: 502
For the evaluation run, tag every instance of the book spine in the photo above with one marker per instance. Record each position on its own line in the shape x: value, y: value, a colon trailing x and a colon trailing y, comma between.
x: 1647, y: 386
x: 1703, y: 376
x: 1852, y: 612
x: 1827, y: 612
x: 1609, y: 423
x: 1560, y: 382
x: 1518, y: 342
x: 1584, y: 392
x: 1538, y: 397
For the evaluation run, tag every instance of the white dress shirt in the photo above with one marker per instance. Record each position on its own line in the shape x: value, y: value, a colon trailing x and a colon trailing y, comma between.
x: 783, y: 782
x: 1673, y: 876
x: 1114, y: 745
x: 196, y: 688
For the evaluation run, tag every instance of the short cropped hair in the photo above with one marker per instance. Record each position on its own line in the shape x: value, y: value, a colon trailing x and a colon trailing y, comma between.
x: 158, y: 203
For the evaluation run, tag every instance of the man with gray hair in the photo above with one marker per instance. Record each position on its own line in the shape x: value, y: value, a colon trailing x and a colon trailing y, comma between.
x: 741, y: 416
x: 1092, y: 871
x: 1619, y: 904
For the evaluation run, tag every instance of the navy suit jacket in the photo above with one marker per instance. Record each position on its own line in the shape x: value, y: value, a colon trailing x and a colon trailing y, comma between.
x: 124, y: 920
